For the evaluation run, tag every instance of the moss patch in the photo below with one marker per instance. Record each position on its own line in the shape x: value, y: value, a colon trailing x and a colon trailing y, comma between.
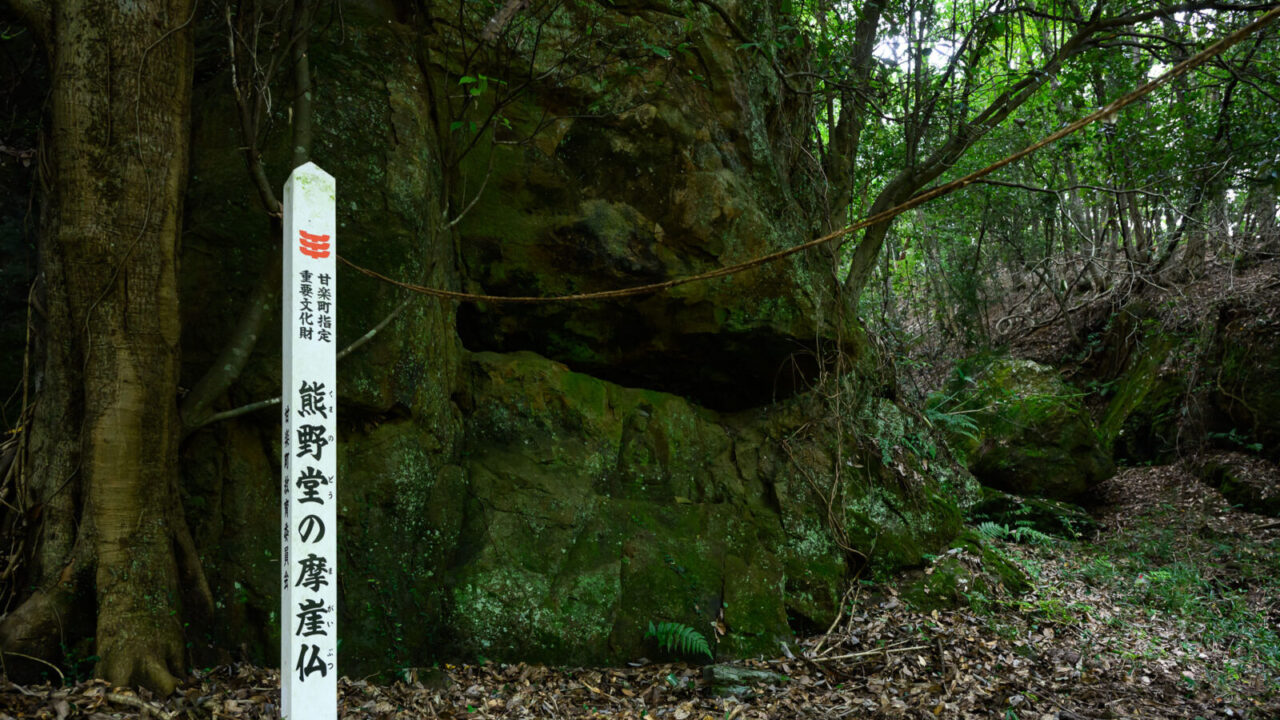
x: 1034, y: 435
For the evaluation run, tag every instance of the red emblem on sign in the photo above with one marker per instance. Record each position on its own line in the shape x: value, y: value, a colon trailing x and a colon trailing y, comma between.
x: 315, y: 246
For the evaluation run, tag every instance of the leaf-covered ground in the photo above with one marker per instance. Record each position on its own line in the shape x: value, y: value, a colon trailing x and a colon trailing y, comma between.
x: 1172, y: 611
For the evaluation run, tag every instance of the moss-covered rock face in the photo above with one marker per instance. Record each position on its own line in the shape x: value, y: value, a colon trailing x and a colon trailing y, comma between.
x: 1034, y: 436
x: 374, y: 134
x: 970, y: 573
x: 679, y: 166
x: 1176, y: 390
x: 502, y: 504
x: 400, y: 493
x: 595, y: 509
x: 1141, y: 419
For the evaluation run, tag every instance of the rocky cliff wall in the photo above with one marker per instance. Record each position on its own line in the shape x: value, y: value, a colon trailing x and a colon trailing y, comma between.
x: 540, y: 483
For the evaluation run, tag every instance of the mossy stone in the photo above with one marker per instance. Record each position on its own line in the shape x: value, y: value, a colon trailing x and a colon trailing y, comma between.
x: 1035, y: 437
x: 968, y: 574
x: 604, y: 508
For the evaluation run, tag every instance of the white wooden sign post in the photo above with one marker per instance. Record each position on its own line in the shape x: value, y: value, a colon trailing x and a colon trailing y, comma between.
x: 309, y: 467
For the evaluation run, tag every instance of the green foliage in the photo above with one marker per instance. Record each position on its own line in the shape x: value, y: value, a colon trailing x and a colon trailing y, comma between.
x: 679, y: 638
x: 1022, y: 532
x: 1055, y: 611
x: 1235, y: 438
x: 955, y: 422
x: 78, y: 661
x: 1206, y: 581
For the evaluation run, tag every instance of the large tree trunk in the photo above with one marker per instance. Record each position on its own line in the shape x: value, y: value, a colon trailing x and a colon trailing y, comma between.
x: 103, y: 440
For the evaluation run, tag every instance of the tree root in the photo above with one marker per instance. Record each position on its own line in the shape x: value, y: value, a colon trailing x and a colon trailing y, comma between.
x: 32, y: 632
x: 140, y: 666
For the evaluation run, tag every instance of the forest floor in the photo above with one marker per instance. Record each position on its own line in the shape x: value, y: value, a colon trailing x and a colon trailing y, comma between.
x: 1171, y: 611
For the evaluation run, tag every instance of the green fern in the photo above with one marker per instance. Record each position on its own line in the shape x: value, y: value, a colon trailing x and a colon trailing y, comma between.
x: 1025, y: 533
x: 953, y: 422
x: 1022, y: 533
x: 680, y: 638
x: 993, y: 530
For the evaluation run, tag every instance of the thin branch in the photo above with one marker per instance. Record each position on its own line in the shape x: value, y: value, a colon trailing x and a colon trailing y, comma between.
x: 867, y: 653
x: 231, y: 360
x: 302, y: 84
x: 196, y: 409
x: 342, y: 354
x: 249, y: 128
x: 360, y: 341
x: 32, y: 658
x: 237, y: 412
x: 488, y: 173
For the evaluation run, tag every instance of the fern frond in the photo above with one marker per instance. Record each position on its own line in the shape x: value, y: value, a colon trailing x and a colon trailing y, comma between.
x: 954, y: 422
x: 1030, y: 536
x: 679, y: 638
x: 993, y: 530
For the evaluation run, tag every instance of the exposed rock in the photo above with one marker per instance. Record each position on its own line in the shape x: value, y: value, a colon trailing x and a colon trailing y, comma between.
x: 501, y: 504
x: 1176, y: 385
x: 400, y: 491
x: 1145, y: 387
x: 1243, y: 367
x: 1034, y: 436
x: 595, y: 509
x: 968, y: 574
x: 682, y: 167
x: 734, y: 675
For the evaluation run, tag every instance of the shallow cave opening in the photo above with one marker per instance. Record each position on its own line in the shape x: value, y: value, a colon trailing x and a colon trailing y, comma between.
x: 726, y: 372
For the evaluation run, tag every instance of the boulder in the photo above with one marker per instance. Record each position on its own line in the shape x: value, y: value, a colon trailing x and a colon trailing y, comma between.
x: 1050, y: 517
x: 1146, y: 389
x: 1175, y: 384
x: 594, y: 510
x: 1031, y: 433
x: 1243, y: 365
x: 970, y: 573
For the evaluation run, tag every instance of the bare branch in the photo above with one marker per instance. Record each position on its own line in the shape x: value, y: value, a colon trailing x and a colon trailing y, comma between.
x: 224, y: 370
x: 302, y: 111
x: 196, y: 410
x: 1069, y: 188
x: 270, y: 402
x: 237, y: 412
